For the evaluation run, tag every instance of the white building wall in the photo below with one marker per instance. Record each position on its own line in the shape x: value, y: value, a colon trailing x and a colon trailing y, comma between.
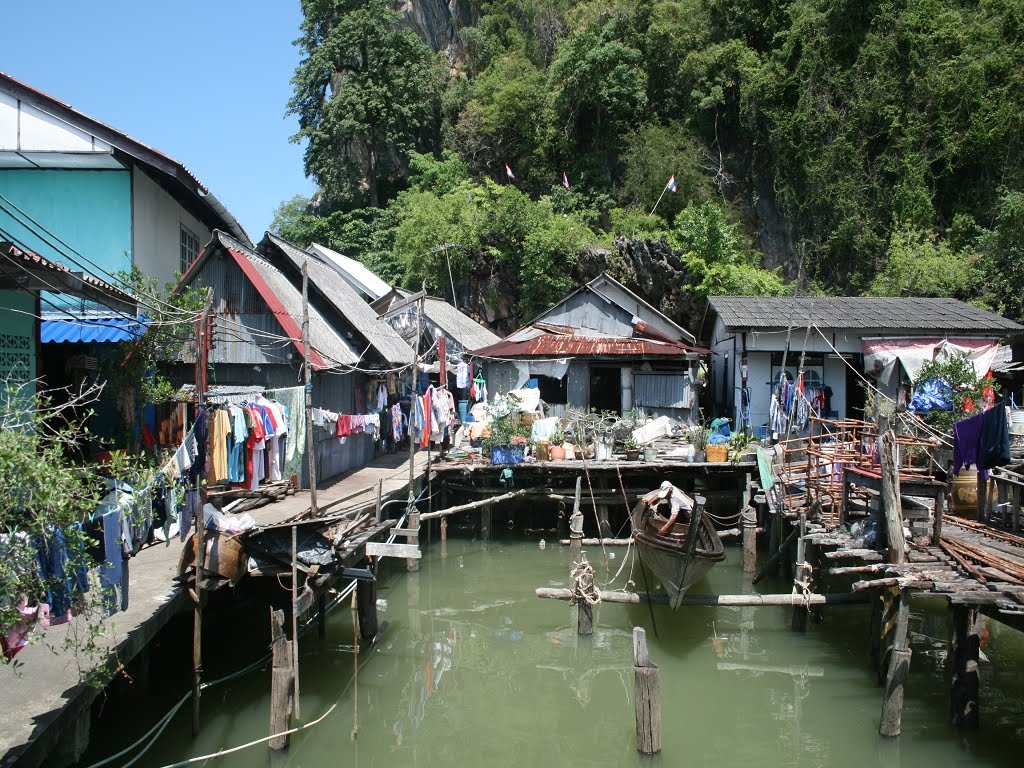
x: 157, y: 219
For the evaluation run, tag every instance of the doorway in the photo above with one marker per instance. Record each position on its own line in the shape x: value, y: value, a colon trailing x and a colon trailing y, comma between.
x: 605, y: 389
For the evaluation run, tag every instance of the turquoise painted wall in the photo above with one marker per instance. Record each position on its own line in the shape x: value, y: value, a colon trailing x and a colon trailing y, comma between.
x: 17, y: 338
x: 89, y: 210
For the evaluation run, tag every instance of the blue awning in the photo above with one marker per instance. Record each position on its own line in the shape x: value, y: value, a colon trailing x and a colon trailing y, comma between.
x: 74, y: 330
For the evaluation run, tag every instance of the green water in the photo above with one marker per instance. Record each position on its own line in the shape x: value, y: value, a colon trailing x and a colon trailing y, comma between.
x: 475, y: 670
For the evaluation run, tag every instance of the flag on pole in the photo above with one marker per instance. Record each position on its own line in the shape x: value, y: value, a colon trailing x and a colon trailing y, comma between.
x: 565, y: 180
x: 671, y: 186
x: 508, y: 172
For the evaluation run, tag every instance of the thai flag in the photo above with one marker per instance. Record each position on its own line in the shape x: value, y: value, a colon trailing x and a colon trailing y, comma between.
x: 565, y: 180
x: 671, y: 186
x: 508, y: 172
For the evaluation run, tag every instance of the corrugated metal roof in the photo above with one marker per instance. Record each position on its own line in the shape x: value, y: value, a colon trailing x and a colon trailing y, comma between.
x: 896, y: 313
x: 378, y: 334
x: 456, y: 325
x: 539, y: 342
x: 461, y: 327
x: 18, y: 265
x: 74, y: 330
x: 355, y: 273
x: 284, y: 302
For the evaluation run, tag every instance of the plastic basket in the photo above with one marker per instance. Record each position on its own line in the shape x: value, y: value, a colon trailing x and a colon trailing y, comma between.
x: 717, y: 452
x: 506, y: 454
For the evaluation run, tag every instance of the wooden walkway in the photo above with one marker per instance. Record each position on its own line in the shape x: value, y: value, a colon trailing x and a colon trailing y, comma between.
x: 44, y: 710
x: 974, y: 565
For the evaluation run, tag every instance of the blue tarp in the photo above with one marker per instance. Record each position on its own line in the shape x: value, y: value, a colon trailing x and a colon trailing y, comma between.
x: 932, y: 395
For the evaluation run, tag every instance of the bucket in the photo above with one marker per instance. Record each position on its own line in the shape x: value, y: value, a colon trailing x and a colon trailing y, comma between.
x: 603, y: 449
x: 463, y: 410
x: 1017, y: 421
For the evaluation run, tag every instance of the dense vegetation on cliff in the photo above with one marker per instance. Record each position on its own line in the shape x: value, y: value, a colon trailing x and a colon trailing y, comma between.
x: 878, y: 143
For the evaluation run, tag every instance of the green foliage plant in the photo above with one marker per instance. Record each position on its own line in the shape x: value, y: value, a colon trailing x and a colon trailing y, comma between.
x: 970, y: 392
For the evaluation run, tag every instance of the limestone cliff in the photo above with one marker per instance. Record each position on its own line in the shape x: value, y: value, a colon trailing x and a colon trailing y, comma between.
x: 437, y: 22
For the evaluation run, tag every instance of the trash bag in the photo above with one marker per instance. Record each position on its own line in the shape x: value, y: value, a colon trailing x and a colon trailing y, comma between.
x: 720, y: 432
x: 932, y: 395
x: 865, y: 533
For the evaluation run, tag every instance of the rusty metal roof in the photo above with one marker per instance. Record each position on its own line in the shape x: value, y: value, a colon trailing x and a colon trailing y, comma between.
x: 31, y: 272
x: 542, y: 341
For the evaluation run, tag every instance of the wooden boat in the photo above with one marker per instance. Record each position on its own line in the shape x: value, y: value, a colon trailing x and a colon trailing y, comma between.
x: 677, y: 558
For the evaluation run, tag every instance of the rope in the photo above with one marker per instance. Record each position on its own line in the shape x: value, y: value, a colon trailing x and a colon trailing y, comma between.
x: 584, y: 590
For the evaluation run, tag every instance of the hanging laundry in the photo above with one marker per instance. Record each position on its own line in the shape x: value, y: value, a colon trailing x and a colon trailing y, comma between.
x: 462, y: 376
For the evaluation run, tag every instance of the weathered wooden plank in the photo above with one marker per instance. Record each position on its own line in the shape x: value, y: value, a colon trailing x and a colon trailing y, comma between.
x: 382, y: 549
x: 869, y: 555
x: 280, y: 681
x: 755, y: 600
x: 646, y: 696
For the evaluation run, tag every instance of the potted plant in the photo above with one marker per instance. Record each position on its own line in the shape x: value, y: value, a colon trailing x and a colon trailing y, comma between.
x: 632, y: 450
x: 507, y: 441
x: 698, y: 436
x: 555, y: 450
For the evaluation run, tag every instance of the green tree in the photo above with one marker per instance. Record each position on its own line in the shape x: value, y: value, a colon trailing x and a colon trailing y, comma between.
x: 1003, y: 253
x: 919, y: 264
x: 653, y: 154
x: 367, y: 93
x: 717, y: 257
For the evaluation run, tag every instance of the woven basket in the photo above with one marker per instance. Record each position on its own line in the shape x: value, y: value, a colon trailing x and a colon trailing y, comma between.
x: 717, y: 453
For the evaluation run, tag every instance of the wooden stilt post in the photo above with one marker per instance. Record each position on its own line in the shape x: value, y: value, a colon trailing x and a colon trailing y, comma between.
x: 366, y: 602
x: 749, y: 516
x: 940, y: 510
x: 412, y: 564
x: 965, y: 652
x: 899, y: 668
x: 280, y: 680
x: 646, y: 696
x: 774, y: 544
x: 295, y: 621
x: 576, y: 527
x: 875, y: 632
x: 444, y: 538
x: 802, y: 577
x: 486, y: 519
x: 380, y: 490
x: 892, y: 510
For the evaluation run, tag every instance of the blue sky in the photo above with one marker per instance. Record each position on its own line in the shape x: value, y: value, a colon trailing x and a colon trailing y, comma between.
x: 206, y: 82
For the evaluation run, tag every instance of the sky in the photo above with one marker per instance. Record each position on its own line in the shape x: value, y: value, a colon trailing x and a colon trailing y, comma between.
x: 204, y: 81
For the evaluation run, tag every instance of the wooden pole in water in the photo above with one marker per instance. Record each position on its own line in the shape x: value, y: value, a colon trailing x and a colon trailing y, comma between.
x: 380, y: 489
x: 576, y: 526
x: 965, y: 651
x: 280, y: 680
x: 801, y: 580
x: 749, y: 516
x: 899, y: 668
x: 891, y: 507
x: 295, y: 620
x: 756, y: 600
x: 646, y: 696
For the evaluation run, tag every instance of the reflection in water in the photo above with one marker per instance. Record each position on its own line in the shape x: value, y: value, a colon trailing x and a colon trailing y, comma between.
x: 474, y: 670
